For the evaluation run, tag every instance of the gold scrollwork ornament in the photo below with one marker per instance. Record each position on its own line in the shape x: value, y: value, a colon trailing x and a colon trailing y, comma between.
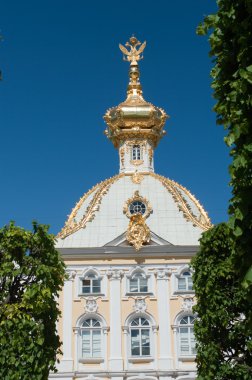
x: 138, y: 233
x: 122, y: 154
x: 137, y: 197
x: 150, y: 155
x: 137, y: 177
x: 136, y: 162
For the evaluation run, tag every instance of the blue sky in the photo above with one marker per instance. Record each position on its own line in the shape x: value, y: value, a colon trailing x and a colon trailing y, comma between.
x: 62, y: 69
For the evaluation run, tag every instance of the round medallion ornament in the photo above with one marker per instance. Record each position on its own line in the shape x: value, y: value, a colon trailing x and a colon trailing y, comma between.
x: 137, y: 205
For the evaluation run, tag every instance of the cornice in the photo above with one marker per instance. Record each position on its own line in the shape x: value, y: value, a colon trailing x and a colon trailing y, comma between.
x: 161, y: 251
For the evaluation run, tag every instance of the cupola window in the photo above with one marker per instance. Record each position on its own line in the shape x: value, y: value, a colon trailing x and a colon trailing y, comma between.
x: 136, y: 152
x: 137, y: 207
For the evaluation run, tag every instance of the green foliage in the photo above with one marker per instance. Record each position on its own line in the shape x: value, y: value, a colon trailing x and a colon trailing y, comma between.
x: 31, y: 276
x: 231, y: 47
x: 224, y: 345
x: 223, y: 267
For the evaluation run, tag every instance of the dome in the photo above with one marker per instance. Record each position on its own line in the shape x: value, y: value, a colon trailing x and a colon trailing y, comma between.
x: 137, y: 207
x: 173, y: 215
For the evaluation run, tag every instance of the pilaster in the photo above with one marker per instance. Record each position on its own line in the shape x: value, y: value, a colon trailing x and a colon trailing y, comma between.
x: 66, y: 363
x: 165, y: 361
x: 115, y: 359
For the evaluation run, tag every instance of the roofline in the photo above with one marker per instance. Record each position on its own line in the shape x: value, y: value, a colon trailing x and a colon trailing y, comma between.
x: 160, y: 251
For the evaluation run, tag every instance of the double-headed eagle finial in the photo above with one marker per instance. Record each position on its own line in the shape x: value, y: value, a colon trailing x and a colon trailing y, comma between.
x: 133, y: 55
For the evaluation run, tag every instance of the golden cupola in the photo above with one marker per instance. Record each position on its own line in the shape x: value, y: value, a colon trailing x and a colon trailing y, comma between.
x: 135, y: 122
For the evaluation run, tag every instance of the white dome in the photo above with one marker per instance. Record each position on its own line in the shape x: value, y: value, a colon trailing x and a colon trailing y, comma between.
x: 176, y: 218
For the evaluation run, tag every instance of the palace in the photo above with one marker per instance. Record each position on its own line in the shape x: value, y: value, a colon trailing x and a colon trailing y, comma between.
x: 127, y: 244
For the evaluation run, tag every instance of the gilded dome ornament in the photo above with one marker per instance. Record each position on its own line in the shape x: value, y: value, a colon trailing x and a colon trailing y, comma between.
x: 137, y: 177
x: 135, y: 118
x: 179, y: 194
x: 127, y: 209
x: 138, y: 233
x: 133, y: 55
x: 98, y: 193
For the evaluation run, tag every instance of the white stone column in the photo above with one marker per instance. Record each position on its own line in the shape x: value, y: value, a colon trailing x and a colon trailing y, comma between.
x: 165, y: 361
x: 66, y: 363
x: 115, y: 359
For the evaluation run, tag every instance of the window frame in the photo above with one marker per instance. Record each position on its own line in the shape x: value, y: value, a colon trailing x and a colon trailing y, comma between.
x: 140, y: 204
x: 188, y: 281
x: 136, y: 152
x: 103, y: 341
x: 140, y: 327
x: 134, y: 272
x: 152, y: 337
x: 190, y: 333
x: 138, y: 276
x: 85, y: 277
x: 91, y: 329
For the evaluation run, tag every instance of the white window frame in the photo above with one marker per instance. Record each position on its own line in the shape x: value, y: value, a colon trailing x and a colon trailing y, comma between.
x: 78, y: 341
x: 139, y: 204
x: 91, y: 330
x: 179, y: 276
x: 84, y: 276
x: 189, y: 326
x: 138, y: 276
x: 127, y: 339
x: 140, y: 327
x: 177, y: 326
x: 138, y: 271
x: 136, y: 153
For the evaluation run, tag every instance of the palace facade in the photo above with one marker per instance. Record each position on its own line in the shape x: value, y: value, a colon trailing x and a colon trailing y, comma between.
x: 127, y: 244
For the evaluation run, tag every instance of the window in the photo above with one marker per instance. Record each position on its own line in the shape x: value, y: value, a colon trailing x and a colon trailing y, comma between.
x: 185, y: 281
x: 186, y: 336
x: 91, y: 284
x: 137, y: 207
x: 140, y: 337
x: 136, y: 152
x: 91, y: 339
x: 138, y: 283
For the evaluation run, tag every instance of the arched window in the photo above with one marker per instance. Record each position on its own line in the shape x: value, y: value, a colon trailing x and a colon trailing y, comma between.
x: 91, y: 339
x: 91, y: 284
x: 138, y: 283
x: 140, y: 337
x: 185, y: 281
x: 186, y: 336
x: 136, y: 152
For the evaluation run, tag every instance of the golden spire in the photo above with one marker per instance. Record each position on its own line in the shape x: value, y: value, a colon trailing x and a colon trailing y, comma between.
x: 133, y: 55
x: 134, y: 118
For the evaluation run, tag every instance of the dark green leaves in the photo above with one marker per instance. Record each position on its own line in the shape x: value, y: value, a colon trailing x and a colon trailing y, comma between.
x: 222, y: 327
x: 223, y: 275
x: 32, y: 275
